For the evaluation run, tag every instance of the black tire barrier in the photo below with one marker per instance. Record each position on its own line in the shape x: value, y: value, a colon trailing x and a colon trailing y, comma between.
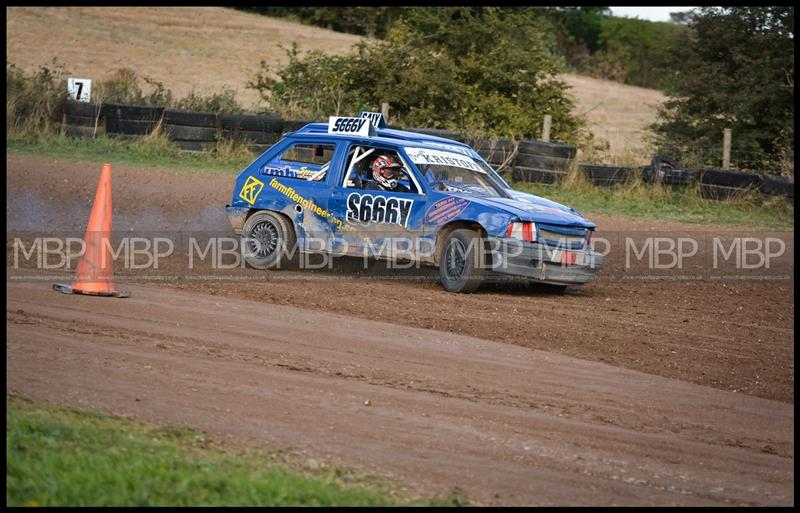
x: 132, y: 112
x: 664, y: 161
x: 533, y: 175
x: 542, y: 162
x: 668, y: 176
x: 73, y: 120
x: 252, y: 136
x: 606, y: 176
x: 190, y: 133
x: 495, y: 157
x: 193, y: 145
x: 777, y: 186
x: 129, y: 127
x: 533, y: 147
x: 252, y: 122
x: 488, y: 145
x: 196, y: 119
x: 73, y: 108
x: 738, y: 179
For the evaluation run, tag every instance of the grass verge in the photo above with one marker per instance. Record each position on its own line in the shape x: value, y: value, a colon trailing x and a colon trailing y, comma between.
x: 62, y: 457
x: 637, y: 200
x: 153, y: 151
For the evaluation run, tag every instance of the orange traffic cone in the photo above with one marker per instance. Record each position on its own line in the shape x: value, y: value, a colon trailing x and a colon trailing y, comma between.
x: 94, y: 276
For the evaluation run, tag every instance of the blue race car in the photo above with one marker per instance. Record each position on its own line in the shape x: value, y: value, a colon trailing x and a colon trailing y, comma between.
x: 324, y: 189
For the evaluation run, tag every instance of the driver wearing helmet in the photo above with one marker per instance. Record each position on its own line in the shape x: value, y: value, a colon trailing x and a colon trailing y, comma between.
x: 386, y: 173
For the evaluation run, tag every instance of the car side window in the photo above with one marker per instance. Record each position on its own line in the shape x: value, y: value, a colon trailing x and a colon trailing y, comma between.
x: 303, y: 161
x: 359, y: 172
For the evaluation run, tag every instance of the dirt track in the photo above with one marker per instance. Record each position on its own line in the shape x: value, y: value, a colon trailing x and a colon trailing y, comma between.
x: 511, y: 412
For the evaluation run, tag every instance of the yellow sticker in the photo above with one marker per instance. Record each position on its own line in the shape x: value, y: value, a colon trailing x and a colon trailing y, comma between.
x: 251, y: 189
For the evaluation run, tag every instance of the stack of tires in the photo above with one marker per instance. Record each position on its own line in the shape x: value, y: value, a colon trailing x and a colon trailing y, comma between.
x: 81, y: 119
x: 542, y: 162
x: 777, y: 186
x: 131, y: 121
x: 666, y: 171
x: 606, y: 176
x: 722, y: 184
x: 191, y: 131
x: 494, y: 151
x: 257, y: 132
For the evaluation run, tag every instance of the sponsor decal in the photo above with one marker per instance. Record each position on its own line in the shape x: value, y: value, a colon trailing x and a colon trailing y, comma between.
x: 289, y: 172
x: 306, y: 203
x: 444, y: 158
x: 367, y: 208
x: 350, y: 126
x: 445, y: 210
x: 251, y: 189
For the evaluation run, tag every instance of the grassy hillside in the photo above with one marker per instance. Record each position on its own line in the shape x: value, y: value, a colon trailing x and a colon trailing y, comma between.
x: 207, y: 48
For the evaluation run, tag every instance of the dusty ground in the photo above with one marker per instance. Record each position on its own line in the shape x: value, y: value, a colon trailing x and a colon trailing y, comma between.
x: 207, y: 48
x: 619, y: 392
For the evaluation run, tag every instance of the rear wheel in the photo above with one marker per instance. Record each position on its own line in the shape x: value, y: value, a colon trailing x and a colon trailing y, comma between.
x: 268, y: 241
x: 460, y: 263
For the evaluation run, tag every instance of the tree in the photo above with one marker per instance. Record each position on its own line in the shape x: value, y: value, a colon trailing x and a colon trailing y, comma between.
x: 483, y: 70
x: 736, y: 71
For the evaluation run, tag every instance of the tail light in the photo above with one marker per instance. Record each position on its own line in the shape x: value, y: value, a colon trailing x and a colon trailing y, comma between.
x: 522, y: 230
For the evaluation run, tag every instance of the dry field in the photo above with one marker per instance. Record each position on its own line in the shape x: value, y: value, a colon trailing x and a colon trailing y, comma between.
x: 206, y: 48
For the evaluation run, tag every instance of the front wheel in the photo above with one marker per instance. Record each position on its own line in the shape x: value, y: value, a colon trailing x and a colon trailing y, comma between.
x: 268, y: 240
x: 460, y: 264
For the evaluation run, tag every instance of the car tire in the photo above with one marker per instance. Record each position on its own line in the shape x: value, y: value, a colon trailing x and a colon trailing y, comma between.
x: 460, y: 268
x: 268, y: 241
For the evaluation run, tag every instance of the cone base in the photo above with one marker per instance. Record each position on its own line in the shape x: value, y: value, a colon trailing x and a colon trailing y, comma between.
x: 68, y: 289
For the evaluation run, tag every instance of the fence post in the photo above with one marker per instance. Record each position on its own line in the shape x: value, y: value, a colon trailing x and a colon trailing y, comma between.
x: 385, y: 111
x: 726, y: 148
x: 546, y: 128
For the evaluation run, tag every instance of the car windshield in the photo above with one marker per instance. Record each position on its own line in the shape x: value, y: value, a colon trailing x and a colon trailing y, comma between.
x: 454, y: 172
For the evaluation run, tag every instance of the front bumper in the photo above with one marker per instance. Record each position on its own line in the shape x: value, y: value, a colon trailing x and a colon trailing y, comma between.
x: 544, y: 263
x: 237, y: 217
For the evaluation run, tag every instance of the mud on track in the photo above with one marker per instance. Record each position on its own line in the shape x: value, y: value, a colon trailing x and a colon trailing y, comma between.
x: 446, y: 409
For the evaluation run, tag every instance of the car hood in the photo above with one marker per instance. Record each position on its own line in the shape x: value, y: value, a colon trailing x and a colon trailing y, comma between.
x: 534, y: 208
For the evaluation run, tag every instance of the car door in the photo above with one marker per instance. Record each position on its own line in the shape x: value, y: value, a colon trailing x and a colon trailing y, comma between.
x: 303, y: 173
x: 377, y: 222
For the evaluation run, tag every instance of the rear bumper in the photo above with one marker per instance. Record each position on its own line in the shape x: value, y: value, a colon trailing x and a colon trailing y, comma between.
x: 544, y: 263
x: 236, y: 216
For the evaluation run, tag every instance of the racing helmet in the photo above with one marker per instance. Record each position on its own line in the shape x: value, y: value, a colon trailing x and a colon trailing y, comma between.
x: 386, y: 171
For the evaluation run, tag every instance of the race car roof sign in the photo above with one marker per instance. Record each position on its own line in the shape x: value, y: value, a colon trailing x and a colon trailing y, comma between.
x: 376, y: 118
x: 443, y: 158
x: 350, y: 126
